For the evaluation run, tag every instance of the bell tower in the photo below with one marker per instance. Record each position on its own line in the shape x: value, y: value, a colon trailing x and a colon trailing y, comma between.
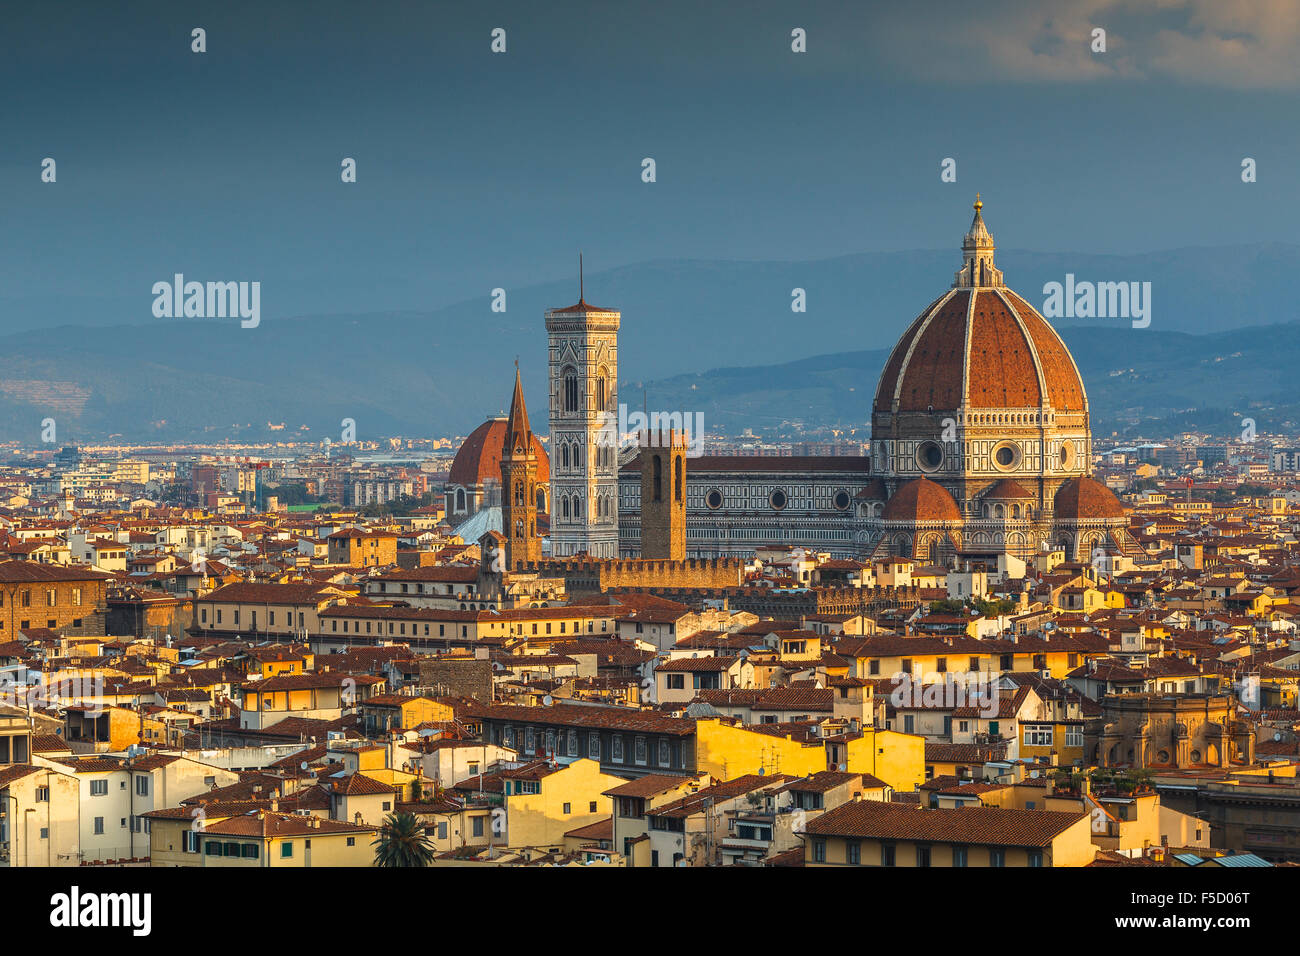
x: 519, y: 485
x: 583, y: 348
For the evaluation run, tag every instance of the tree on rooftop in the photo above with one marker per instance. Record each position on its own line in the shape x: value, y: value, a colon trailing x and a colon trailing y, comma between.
x: 946, y: 606
x: 1101, y: 777
x: 1140, y: 779
x: 402, y: 842
x: 1068, y: 779
x: 995, y: 607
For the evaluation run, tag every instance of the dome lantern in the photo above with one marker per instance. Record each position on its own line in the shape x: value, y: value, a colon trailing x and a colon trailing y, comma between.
x: 977, y: 269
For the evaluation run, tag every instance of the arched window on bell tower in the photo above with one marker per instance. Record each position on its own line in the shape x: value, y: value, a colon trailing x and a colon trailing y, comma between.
x: 570, y: 381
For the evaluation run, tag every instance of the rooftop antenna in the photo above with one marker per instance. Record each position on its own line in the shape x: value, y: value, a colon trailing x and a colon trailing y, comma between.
x: 580, y: 288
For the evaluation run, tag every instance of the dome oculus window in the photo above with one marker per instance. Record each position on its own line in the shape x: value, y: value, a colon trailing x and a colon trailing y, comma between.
x: 929, y: 456
x: 1006, y: 456
x: 1067, y: 454
x: 841, y: 500
x: 778, y: 499
x: 714, y: 499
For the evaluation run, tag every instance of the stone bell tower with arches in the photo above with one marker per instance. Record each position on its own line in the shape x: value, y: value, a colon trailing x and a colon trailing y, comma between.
x: 519, y: 485
x: 583, y: 355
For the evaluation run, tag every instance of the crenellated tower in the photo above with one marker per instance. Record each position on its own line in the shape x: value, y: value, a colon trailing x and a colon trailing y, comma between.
x: 663, y: 494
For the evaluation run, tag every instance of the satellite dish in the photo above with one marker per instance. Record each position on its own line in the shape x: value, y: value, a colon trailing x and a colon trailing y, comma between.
x: 546, y: 701
x: 1277, y: 735
x: 303, y: 765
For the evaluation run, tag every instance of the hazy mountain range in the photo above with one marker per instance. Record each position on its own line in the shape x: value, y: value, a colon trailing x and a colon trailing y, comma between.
x: 1139, y: 382
x: 711, y: 336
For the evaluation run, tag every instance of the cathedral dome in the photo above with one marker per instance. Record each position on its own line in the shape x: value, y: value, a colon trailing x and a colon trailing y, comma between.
x: 979, y: 346
x: 921, y: 500
x: 479, y: 457
x: 1086, y: 498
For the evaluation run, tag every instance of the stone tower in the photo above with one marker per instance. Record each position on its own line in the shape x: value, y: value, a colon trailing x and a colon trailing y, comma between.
x: 663, y: 495
x: 583, y: 346
x: 519, y: 485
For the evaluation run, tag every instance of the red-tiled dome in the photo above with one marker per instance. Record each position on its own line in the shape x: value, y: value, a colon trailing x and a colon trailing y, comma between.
x: 979, y: 346
x: 996, y: 350
x: 1006, y: 488
x: 480, y: 456
x: 921, y: 500
x: 1084, y: 498
x: 875, y: 491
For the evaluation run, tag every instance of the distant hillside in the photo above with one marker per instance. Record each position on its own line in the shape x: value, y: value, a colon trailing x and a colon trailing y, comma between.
x: 1138, y: 380
x: 443, y: 371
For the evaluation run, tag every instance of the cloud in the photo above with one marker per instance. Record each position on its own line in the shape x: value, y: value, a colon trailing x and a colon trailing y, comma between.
x: 1239, y: 44
x: 1246, y: 44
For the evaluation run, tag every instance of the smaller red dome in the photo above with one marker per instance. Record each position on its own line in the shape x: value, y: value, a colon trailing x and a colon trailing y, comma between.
x: 1006, y: 488
x: 875, y: 491
x: 921, y: 500
x: 1086, y: 498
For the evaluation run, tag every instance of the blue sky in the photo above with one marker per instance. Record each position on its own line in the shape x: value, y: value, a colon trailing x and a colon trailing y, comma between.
x: 479, y: 170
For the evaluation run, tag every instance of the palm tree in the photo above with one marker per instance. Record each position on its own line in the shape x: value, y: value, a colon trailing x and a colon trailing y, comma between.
x: 402, y: 842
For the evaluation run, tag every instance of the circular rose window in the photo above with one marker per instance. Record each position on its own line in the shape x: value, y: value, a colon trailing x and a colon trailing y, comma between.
x: 714, y: 499
x: 1006, y: 456
x: 929, y: 455
x: 842, y: 500
x: 778, y: 499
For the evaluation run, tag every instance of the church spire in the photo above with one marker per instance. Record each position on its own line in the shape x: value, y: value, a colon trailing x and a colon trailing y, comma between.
x: 519, y: 437
x: 977, y: 269
x: 519, y: 500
